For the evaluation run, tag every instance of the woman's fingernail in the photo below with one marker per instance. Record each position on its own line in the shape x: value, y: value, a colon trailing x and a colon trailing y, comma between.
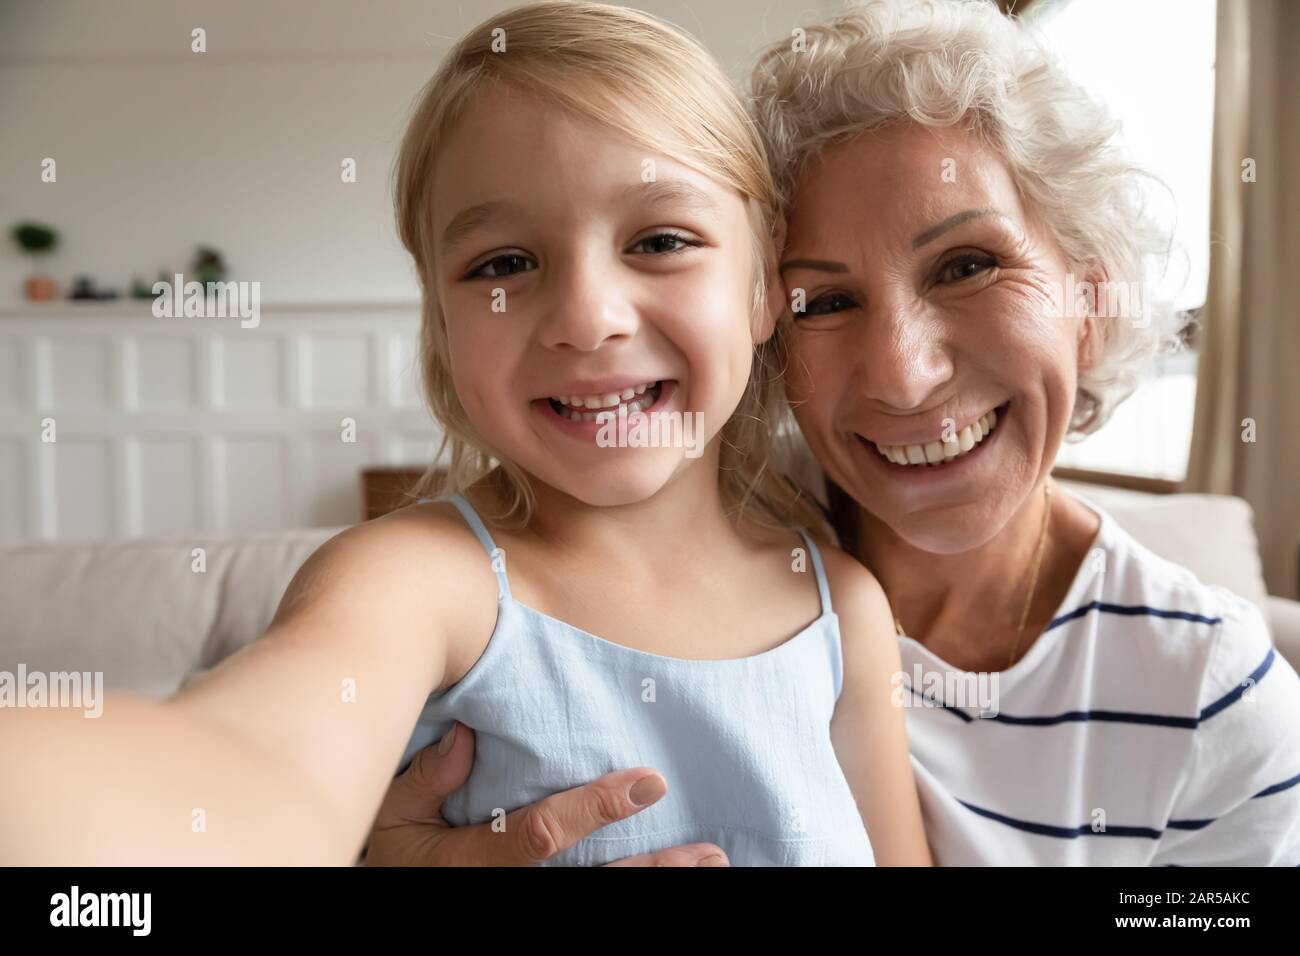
x: 444, y: 745
x: 714, y: 860
x: 647, y: 790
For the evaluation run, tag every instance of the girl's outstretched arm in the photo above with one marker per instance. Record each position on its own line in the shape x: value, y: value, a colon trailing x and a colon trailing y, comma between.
x: 868, y: 729
x: 283, y: 753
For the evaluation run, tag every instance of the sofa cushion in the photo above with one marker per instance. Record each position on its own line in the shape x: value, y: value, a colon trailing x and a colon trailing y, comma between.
x: 1211, y: 535
x: 137, y: 610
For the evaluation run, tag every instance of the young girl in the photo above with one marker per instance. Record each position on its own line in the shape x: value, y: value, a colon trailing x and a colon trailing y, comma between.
x: 591, y: 214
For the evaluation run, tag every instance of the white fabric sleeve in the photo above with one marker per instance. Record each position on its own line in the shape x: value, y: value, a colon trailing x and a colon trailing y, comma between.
x: 1239, y: 802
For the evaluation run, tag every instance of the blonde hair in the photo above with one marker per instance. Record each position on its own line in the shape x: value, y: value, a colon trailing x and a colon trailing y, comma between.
x: 963, y: 62
x: 620, y: 68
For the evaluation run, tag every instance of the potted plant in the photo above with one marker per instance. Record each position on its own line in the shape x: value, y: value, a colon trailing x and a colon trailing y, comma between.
x: 37, y: 240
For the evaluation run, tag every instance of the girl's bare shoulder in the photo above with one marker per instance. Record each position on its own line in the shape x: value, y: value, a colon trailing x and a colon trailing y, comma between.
x: 420, y: 561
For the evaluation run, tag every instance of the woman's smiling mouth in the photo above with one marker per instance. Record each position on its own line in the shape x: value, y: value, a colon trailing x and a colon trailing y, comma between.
x: 936, y: 454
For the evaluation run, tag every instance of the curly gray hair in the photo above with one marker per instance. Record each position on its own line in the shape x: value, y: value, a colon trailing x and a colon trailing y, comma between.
x: 945, y: 62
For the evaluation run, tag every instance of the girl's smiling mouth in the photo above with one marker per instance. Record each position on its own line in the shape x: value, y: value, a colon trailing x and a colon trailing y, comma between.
x: 630, y: 399
x: 583, y: 413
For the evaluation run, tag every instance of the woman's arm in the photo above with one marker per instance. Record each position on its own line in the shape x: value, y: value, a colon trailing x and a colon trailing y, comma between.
x: 283, y: 753
x: 868, y: 730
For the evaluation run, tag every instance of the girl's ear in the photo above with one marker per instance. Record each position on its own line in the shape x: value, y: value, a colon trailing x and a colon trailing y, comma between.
x: 772, y: 285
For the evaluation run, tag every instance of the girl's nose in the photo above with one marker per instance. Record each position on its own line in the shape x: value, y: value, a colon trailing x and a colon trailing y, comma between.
x: 587, y: 310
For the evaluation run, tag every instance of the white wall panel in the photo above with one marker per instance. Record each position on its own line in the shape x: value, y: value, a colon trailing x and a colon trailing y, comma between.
x: 79, y: 373
x: 167, y: 487
x: 13, y: 489
x: 84, y: 486
x: 171, y: 427
x: 162, y: 373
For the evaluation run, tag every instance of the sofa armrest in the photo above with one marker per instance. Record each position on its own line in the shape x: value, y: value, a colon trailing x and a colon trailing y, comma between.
x: 1284, y: 622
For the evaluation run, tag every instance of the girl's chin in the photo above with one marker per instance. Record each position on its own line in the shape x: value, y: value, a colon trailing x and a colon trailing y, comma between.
x: 617, y: 484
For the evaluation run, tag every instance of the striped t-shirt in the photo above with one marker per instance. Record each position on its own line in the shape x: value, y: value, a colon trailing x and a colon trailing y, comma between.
x: 1152, y: 723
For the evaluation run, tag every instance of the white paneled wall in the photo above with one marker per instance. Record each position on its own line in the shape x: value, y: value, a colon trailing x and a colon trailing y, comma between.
x: 190, y: 425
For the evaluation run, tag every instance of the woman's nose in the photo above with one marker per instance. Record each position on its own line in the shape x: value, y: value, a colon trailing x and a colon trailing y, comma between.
x: 903, y: 356
x: 587, y: 308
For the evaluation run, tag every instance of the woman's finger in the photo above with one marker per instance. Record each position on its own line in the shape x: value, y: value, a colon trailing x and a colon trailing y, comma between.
x: 689, y: 854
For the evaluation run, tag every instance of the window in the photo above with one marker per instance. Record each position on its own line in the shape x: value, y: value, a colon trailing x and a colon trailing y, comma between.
x: 1152, y: 64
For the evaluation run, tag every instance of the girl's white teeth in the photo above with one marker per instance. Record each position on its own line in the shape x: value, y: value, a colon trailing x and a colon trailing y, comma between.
x: 589, y: 408
x: 632, y: 408
x: 610, y: 400
x: 938, y: 452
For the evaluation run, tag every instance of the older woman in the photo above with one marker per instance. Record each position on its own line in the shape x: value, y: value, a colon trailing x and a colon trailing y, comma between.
x: 956, y: 214
x: 948, y: 189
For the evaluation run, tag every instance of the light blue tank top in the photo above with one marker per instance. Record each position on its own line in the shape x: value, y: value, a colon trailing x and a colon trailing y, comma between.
x: 744, y: 743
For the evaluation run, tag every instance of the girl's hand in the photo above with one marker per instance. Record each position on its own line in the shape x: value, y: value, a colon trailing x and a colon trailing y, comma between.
x: 410, y: 830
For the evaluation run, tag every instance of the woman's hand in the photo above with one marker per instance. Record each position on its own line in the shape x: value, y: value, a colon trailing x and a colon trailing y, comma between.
x: 410, y: 830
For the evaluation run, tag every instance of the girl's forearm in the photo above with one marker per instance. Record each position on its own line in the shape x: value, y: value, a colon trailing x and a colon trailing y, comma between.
x: 149, y: 783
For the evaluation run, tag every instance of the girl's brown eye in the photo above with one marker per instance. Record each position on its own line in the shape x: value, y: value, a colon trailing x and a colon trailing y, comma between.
x: 506, y: 265
x: 663, y: 243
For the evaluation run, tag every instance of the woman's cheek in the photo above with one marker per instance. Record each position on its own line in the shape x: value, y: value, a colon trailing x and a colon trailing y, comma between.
x: 810, y: 369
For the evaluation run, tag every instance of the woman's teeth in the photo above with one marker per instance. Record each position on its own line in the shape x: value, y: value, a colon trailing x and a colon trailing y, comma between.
x: 586, y: 408
x: 938, y: 452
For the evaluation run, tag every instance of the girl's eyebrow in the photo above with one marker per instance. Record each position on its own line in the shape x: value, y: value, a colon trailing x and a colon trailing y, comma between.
x: 672, y: 192
x: 469, y: 219
x: 659, y: 192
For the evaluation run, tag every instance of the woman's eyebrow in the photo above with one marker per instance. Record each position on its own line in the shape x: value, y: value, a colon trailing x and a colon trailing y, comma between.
x: 952, y: 222
x: 821, y: 265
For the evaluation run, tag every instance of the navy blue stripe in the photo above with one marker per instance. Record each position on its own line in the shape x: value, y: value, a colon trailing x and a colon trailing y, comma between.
x: 1278, y: 787
x: 1234, y: 695
x: 930, y: 702
x: 1101, y: 716
x: 1071, y: 716
x: 1064, y: 833
x: 1129, y: 610
x: 1118, y: 716
x: 1070, y: 833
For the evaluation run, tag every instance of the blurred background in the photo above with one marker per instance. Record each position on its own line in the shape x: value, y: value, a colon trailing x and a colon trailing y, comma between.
x: 252, y: 140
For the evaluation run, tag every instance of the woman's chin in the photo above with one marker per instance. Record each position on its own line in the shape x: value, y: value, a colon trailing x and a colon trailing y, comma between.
x: 950, y: 529
x: 948, y: 532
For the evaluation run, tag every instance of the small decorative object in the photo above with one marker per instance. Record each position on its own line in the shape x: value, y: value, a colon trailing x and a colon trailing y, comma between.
x: 84, y: 290
x: 35, y: 240
x: 208, y: 266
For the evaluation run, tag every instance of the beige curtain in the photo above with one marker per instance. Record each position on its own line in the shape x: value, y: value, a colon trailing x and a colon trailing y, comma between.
x: 1250, y: 340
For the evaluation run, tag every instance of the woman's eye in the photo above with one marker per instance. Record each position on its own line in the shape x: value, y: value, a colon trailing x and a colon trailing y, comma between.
x: 965, y: 266
x: 663, y: 243
x: 505, y: 265
x: 827, y: 304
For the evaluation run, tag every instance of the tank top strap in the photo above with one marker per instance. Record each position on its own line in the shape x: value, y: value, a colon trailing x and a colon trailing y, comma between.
x: 497, y: 556
x: 823, y: 587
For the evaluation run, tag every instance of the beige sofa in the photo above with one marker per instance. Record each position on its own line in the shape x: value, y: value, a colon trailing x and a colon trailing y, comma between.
x: 140, y: 611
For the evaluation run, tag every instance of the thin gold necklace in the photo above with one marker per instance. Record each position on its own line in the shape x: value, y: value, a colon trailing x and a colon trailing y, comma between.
x: 1033, y: 579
